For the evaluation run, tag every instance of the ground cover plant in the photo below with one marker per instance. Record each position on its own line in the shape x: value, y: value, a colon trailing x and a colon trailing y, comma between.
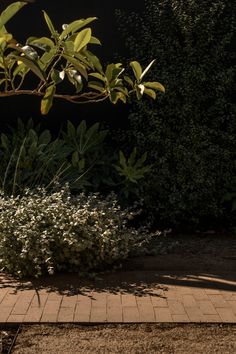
x: 41, y: 233
x: 189, y: 133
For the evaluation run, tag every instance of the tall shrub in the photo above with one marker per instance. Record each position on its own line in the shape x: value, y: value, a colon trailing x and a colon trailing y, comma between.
x: 190, y: 132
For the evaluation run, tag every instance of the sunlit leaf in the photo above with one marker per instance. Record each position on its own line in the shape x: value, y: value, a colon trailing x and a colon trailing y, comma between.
x: 75, y: 26
x: 137, y: 69
x: 33, y: 66
x: 147, y: 69
x: 46, y: 102
x: 82, y: 39
x: 10, y: 11
x: 154, y: 85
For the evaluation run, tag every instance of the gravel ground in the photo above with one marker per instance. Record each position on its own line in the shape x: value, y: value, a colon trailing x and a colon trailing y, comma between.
x: 131, y: 339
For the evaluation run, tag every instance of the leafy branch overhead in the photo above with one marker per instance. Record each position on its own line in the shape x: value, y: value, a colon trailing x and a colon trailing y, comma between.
x: 66, y: 56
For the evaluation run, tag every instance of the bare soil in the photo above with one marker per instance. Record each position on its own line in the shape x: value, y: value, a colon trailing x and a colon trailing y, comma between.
x: 128, y: 339
x: 200, y: 252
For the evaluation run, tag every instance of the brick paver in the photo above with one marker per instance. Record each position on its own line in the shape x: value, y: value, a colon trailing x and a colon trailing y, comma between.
x: 127, y: 298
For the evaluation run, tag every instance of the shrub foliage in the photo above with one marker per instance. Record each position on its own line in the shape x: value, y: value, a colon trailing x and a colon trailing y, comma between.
x: 189, y: 133
x: 42, y: 233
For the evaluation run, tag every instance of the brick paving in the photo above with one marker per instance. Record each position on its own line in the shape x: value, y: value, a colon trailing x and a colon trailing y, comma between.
x: 124, y: 297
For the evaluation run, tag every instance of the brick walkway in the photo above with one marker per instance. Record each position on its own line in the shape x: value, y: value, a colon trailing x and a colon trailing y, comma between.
x: 122, y: 297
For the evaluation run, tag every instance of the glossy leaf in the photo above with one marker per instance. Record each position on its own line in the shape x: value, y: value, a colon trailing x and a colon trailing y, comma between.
x: 94, y: 61
x: 50, y: 25
x: 82, y: 39
x: 95, y: 85
x: 154, y: 85
x: 75, y: 26
x: 43, y: 43
x: 95, y: 40
x: 137, y: 69
x: 147, y: 69
x: 10, y: 11
x: 47, y: 100
x: 33, y: 66
x: 98, y: 76
x: 78, y: 66
x: 151, y: 93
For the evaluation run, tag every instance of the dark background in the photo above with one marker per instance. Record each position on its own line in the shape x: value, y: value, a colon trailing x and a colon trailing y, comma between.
x: 30, y: 22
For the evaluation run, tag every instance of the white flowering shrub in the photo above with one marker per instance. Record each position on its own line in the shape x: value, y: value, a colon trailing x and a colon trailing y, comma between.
x: 42, y: 233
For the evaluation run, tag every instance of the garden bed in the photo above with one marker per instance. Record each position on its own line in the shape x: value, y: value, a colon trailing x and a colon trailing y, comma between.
x: 132, y: 339
x: 199, y: 252
x: 7, y: 339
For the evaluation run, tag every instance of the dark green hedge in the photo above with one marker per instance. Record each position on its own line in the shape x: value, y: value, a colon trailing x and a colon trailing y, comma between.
x: 190, y: 132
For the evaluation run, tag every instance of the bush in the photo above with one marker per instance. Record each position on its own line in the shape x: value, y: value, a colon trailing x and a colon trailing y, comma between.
x: 189, y: 133
x: 31, y: 157
x: 80, y: 156
x: 42, y: 233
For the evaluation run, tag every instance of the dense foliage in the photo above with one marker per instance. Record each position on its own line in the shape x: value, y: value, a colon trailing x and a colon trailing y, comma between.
x: 79, y: 156
x: 189, y: 133
x: 42, y: 233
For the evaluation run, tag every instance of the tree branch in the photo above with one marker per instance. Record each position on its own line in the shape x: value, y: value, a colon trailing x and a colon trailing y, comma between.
x: 88, y: 97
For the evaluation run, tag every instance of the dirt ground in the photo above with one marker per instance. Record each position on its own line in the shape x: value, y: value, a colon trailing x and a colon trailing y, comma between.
x: 128, y: 339
x: 208, y: 251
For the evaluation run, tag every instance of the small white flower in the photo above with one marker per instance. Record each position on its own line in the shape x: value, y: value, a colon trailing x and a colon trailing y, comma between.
x: 62, y: 74
x: 75, y: 75
x: 142, y: 88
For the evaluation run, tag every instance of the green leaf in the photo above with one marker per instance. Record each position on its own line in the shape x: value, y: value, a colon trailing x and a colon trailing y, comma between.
x: 71, y: 132
x: 122, y: 159
x: 155, y: 85
x: 131, y: 159
x: 98, y: 76
x: 56, y: 76
x: 116, y: 96
x: 81, y: 164
x: 94, y: 61
x: 78, y: 66
x: 47, y: 100
x: 141, y: 161
x: 82, y: 39
x: 4, y: 141
x: 47, y: 58
x: 45, y: 138
x: 20, y: 70
x: 147, y: 69
x: 32, y: 65
x: 10, y: 11
x: 128, y: 80
x: 95, y: 40
x: 3, y: 30
x: 96, y: 86
x: 81, y: 131
x: 43, y: 43
x: 75, y: 158
x: 75, y: 26
x: 137, y: 69
x: 150, y: 93
x: 69, y: 47
x: 50, y: 25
